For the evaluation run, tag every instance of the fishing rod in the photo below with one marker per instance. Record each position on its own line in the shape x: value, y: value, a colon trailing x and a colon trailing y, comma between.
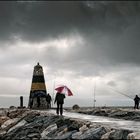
x: 121, y: 93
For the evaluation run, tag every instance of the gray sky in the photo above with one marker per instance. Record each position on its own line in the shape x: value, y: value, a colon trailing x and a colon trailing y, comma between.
x: 77, y: 43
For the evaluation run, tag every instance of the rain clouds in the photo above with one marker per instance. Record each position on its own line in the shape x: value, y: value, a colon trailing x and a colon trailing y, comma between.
x: 74, y: 41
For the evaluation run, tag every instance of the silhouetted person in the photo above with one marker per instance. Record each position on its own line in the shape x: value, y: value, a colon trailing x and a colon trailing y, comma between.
x: 136, y: 99
x: 48, y: 99
x: 32, y: 102
x: 59, y: 98
x: 38, y: 101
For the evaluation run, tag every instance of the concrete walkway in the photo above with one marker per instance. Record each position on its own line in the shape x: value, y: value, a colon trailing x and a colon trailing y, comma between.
x: 111, y: 122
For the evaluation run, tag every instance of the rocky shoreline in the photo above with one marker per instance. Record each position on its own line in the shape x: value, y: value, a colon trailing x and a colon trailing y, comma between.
x: 119, y: 113
x: 35, y: 124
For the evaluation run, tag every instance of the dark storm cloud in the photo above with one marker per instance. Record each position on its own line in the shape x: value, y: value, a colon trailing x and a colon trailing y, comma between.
x: 110, y: 31
x: 38, y: 20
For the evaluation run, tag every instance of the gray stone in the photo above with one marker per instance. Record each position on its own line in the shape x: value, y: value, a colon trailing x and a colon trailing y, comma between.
x: 75, y: 107
x: 32, y: 135
x: 67, y: 135
x: 21, y: 123
x: 9, y: 123
x: 119, y: 134
x: 2, y: 132
x: 83, y: 128
x: 106, y: 136
x: 48, y: 130
x: 133, y: 136
x: 90, y: 134
x: 77, y: 135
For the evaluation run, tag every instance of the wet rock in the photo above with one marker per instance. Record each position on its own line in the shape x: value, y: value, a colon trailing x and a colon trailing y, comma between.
x: 12, y: 107
x: 22, y: 133
x: 76, y: 107
x: 90, y: 134
x: 83, y: 128
x: 3, y: 112
x: 2, y: 132
x: 33, y: 135
x: 100, y: 113
x: 119, y: 134
x: 21, y: 123
x: 61, y: 130
x: 48, y: 130
x: 16, y: 113
x: 106, y: 136
x: 63, y: 121
x: 133, y: 136
x: 75, y: 125
x: 3, y: 119
x: 119, y: 114
x: 9, y: 123
x: 77, y: 135
x: 31, y: 127
x: 66, y: 136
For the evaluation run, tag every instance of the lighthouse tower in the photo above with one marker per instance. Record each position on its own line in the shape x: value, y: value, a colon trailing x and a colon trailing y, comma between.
x: 38, y: 92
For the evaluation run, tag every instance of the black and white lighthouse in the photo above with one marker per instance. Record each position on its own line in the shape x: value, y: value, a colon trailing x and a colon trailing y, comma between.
x: 38, y: 92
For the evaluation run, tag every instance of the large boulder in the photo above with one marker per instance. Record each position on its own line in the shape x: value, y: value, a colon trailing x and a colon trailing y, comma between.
x: 119, y: 134
x: 134, y: 135
x: 3, y: 119
x: 65, y: 136
x: 48, y: 130
x: 9, y: 123
x: 106, y: 136
x: 93, y: 133
x: 18, y: 125
x: 76, y: 107
x: 16, y: 113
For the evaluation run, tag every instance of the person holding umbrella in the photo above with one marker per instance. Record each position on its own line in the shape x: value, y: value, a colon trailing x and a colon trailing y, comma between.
x: 59, y: 98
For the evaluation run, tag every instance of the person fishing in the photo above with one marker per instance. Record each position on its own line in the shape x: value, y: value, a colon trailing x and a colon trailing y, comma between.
x: 136, y: 100
x: 59, y: 98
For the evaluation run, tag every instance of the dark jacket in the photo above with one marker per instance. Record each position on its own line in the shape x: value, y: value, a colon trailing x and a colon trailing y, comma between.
x: 48, y: 98
x: 137, y: 99
x: 59, y: 98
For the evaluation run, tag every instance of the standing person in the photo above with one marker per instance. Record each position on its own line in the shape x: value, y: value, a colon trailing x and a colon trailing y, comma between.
x: 59, y: 98
x: 49, y: 99
x: 136, y: 99
x: 38, y: 101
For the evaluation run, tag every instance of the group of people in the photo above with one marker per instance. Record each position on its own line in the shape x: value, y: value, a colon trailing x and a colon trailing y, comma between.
x: 59, y: 100
x: 48, y: 99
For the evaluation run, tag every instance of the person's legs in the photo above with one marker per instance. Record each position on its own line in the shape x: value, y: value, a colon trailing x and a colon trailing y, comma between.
x: 38, y: 101
x: 50, y: 105
x: 61, y: 109
x: 57, y: 110
x: 137, y: 105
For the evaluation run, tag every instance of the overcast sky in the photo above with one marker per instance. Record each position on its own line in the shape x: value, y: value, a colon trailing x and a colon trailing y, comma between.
x: 87, y: 45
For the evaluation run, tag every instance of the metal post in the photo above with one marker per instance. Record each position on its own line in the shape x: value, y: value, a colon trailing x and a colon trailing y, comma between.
x: 94, y: 94
x: 21, y: 101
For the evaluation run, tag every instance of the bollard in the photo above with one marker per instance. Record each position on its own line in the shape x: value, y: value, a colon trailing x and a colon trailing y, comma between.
x: 21, y: 101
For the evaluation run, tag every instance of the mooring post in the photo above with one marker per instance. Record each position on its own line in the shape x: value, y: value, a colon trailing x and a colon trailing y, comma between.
x: 21, y: 101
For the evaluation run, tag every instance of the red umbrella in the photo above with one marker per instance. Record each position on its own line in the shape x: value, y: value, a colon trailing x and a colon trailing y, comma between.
x: 64, y: 90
